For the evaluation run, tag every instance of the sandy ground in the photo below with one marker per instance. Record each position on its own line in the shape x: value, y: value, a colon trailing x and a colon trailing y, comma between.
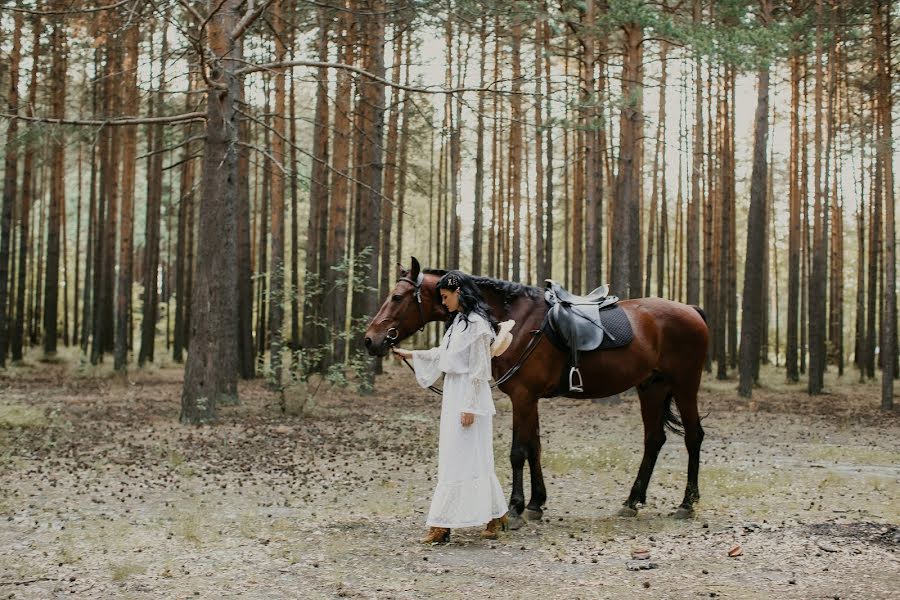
x: 104, y: 495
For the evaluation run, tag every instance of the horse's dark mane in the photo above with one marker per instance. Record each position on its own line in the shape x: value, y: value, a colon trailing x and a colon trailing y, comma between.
x: 508, y: 290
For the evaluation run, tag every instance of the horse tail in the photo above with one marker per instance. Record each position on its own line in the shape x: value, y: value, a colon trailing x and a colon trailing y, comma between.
x: 701, y: 313
x: 671, y: 420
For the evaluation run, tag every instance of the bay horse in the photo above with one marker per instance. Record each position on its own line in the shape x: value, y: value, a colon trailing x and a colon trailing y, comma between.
x: 664, y: 361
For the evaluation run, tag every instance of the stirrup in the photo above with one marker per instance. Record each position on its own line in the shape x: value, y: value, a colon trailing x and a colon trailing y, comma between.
x: 575, y: 374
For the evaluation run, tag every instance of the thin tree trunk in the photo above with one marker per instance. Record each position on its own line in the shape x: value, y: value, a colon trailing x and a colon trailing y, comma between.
x: 276, y: 268
x: 57, y: 191
x: 336, y: 290
x: 478, y: 228
x: 817, y: 282
x: 882, y: 30
x: 368, y: 218
x: 515, y: 150
x: 693, y: 216
x: 150, y: 304
x: 754, y: 295
x: 538, y: 152
x: 10, y: 165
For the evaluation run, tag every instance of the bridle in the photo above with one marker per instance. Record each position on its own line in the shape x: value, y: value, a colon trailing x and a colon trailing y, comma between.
x: 393, y: 333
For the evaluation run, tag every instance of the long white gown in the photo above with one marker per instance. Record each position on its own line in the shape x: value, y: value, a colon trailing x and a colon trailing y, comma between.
x: 468, y: 492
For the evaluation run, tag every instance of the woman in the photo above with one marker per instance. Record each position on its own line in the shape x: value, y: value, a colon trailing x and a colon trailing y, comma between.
x: 468, y: 492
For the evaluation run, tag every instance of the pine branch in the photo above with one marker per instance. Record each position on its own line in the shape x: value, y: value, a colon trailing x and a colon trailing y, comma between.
x: 74, y: 11
x: 251, y: 68
x: 184, y: 117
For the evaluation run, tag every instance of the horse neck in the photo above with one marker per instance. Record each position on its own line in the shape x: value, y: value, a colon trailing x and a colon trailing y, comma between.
x: 522, y: 308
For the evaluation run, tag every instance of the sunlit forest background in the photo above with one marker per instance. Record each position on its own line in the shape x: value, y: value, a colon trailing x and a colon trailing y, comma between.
x: 233, y: 183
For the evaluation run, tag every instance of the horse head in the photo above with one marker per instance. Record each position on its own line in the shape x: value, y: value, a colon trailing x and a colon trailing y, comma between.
x: 411, y: 305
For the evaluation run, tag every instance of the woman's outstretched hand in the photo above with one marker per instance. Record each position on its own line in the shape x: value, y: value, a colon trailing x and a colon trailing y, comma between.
x: 466, y: 419
x: 400, y: 353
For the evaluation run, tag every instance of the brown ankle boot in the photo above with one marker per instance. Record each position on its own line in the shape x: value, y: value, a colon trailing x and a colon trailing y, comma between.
x: 494, y: 526
x: 436, y: 535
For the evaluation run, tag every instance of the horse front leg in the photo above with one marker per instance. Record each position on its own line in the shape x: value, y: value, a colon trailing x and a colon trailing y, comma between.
x: 517, y: 456
x: 524, y: 425
x: 535, y: 509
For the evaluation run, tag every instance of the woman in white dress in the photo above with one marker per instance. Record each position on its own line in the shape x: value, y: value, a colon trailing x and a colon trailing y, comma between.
x: 468, y: 493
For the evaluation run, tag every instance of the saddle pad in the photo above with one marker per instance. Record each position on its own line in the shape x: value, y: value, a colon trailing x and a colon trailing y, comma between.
x: 614, y: 320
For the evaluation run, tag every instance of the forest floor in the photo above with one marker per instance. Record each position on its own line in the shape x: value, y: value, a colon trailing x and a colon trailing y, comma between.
x: 103, y: 494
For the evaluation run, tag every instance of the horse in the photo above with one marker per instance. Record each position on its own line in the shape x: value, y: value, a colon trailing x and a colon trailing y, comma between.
x: 664, y: 362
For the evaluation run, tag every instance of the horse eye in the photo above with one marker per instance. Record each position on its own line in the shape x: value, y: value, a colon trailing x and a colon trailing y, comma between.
x: 397, y: 298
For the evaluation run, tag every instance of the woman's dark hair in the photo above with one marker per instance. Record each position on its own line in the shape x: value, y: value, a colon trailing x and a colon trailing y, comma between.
x: 470, y: 298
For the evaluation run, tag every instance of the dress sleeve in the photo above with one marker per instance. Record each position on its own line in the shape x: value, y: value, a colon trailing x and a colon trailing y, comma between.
x: 479, y: 400
x: 426, y: 364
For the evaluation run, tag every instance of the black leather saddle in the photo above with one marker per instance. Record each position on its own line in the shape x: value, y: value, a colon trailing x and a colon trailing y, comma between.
x: 584, y: 323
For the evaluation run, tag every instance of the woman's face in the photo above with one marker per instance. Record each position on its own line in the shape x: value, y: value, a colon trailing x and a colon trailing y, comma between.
x: 450, y: 299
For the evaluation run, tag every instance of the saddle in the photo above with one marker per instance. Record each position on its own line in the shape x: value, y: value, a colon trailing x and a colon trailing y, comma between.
x: 584, y: 323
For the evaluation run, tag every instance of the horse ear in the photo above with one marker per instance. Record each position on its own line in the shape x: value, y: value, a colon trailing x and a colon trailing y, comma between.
x: 403, y: 270
x: 416, y: 268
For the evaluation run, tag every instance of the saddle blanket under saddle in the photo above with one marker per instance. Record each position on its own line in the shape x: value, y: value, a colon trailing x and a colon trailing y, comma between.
x: 614, y: 322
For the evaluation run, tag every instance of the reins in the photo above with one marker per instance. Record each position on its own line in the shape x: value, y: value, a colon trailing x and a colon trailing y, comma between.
x: 532, y: 344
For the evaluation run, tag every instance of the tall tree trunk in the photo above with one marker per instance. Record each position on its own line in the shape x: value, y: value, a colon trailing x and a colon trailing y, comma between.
x: 882, y: 31
x: 246, y: 349
x: 654, y: 197
x: 515, y: 150
x: 540, y: 236
x: 794, y: 230
x: 336, y: 290
x: 754, y: 295
x: 182, y: 252
x: 626, y: 268
x: 547, y: 267
x: 265, y: 195
x: 817, y: 281
x: 593, y: 195
x: 10, y: 164
x: 404, y: 154
x: 57, y: 190
x: 859, y: 351
x: 107, y: 212
x: 276, y: 268
x: 150, y: 304
x: 211, y: 370
x: 368, y: 218
x: 128, y: 102
x: 389, y: 202
x: 693, y: 216
x: 478, y: 227
x: 313, y: 334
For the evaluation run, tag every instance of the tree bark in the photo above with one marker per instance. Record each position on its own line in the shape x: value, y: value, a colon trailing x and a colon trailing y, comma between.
x: 754, y: 296
x: 211, y: 370
x: 150, y: 303
x: 276, y: 268
x: 57, y: 191
x: 10, y: 164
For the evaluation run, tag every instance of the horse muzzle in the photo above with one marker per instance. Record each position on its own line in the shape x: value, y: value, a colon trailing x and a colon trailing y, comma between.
x: 380, y: 348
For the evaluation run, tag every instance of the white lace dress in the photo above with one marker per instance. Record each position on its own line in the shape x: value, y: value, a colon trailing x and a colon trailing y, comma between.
x: 468, y: 492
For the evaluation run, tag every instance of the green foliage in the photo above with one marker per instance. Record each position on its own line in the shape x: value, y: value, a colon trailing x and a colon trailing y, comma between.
x: 350, y: 273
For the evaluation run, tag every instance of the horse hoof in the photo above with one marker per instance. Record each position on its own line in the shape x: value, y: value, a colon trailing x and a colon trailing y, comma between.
x: 684, y: 513
x: 515, y: 520
x: 531, y: 514
x: 628, y: 512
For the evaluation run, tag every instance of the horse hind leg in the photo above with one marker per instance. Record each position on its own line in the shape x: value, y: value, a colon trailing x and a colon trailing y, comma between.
x: 653, y: 394
x: 686, y: 400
